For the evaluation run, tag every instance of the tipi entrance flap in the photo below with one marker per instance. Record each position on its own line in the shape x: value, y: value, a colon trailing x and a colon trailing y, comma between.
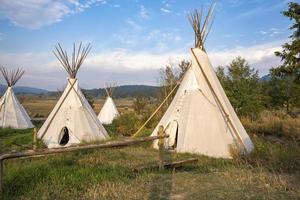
x: 172, y: 131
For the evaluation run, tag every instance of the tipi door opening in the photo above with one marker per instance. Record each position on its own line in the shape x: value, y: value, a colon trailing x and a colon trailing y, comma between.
x: 64, y: 136
x: 172, y: 131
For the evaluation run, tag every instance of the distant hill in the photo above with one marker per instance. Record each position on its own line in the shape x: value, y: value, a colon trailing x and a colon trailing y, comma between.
x: 24, y: 90
x: 126, y: 91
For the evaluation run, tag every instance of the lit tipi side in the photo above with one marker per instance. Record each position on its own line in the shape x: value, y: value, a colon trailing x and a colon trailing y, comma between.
x: 72, y: 120
x: 200, y: 119
x: 12, y: 113
x: 109, y: 111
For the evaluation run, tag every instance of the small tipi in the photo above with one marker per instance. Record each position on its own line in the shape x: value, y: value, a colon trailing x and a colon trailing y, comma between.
x: 72, y: 120
x: 200, y: 119
x: 109, y: 110
x: 12, y: 113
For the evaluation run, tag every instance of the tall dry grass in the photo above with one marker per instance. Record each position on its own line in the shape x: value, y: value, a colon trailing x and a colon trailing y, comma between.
x: 274, y: 123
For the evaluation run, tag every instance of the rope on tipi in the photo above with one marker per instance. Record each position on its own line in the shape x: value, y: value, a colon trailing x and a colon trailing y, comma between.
x: 160, y: 105
x: 11, y: 76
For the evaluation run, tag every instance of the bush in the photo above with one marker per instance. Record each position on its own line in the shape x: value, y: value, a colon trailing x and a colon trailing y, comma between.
x: 126, y: 124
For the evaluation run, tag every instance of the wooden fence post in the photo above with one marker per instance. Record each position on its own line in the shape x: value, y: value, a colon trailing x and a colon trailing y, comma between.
x: 161, y: 146
x: 1, y: 177
x: 34, y: 138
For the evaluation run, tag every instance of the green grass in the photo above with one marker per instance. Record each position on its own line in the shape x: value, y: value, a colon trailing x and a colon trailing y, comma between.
x: 270, y: 172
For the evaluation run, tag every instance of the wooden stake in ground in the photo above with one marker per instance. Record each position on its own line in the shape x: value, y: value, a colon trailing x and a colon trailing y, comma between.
x: 34, y: 138
x: 1, y: 176
x: 161, y: 145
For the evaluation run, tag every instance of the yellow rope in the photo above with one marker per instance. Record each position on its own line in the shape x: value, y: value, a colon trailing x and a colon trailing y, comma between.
x: 158, y: 108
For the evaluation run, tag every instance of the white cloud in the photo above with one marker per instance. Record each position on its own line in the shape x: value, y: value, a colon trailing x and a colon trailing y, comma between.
x: 133, y: 24
x: 260, y: 56
x: 34, y: 14
x: 144, y: 13
x: 165, y: 10
x: 272, y: 32
x: 44, y: 70
x: 122, y: 59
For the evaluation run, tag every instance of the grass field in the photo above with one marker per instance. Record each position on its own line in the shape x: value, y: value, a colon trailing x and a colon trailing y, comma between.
x: 36, y: 106
x: 272, y: 171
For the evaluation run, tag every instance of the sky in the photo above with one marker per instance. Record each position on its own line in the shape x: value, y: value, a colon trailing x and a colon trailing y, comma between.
x: 133, y: 39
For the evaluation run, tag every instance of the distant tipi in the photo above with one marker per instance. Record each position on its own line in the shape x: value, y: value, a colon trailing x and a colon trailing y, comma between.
x: 109, y: 111
x: 200, y: 119
x: 72, y: 120
x: 12, y: 113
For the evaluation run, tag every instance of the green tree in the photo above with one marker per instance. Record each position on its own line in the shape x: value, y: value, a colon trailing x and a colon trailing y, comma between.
x: 242, y: 86
x: 290, y: 55
x: 284, y: 87
x: 283, y: 92
x: 89, y: 98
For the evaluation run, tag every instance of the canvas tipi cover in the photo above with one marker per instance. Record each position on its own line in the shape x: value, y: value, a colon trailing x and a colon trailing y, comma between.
x: 200, y: 118
x: 72, y: 120
x: 109, y: 111
x: 12, y: 113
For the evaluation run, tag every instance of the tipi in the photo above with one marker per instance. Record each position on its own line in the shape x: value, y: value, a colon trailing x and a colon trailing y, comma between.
x: 12, y: 113
x: 200, y: 119
x: 109, y: 110
x: 72, y: 120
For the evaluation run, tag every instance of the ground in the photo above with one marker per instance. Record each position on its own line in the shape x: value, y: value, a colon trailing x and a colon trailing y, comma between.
x: 270, y: 172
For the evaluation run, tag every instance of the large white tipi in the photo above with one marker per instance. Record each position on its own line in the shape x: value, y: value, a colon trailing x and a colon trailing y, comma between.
x: 12, y: 113
x: 200, y: 119
x: 72, y: 120
x: 109, y: 110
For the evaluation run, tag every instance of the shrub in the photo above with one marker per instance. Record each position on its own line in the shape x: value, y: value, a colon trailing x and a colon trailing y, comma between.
x: 126, y: 124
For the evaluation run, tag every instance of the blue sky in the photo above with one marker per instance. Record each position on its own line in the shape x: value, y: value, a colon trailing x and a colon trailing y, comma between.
x: 132, y: 39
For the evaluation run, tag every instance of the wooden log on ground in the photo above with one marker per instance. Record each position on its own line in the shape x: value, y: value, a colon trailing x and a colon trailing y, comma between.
x: 174, y: 164
x: 113, y: 144
x: 38, y: 119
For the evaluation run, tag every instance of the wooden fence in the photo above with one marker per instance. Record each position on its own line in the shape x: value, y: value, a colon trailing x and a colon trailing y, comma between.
x: 113, y: 144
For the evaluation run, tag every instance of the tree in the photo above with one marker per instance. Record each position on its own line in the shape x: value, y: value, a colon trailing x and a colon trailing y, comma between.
x: 284, y: 87
x: 170, y: 76
x: 139, y: 105
x: 242, y: 86
x: 290, y: 55
x: 183, y: 67
x: 283, y: 92
x: 89, y: 98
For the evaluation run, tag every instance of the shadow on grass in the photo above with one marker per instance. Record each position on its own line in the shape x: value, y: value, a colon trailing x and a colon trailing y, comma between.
x: 161, y: 187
